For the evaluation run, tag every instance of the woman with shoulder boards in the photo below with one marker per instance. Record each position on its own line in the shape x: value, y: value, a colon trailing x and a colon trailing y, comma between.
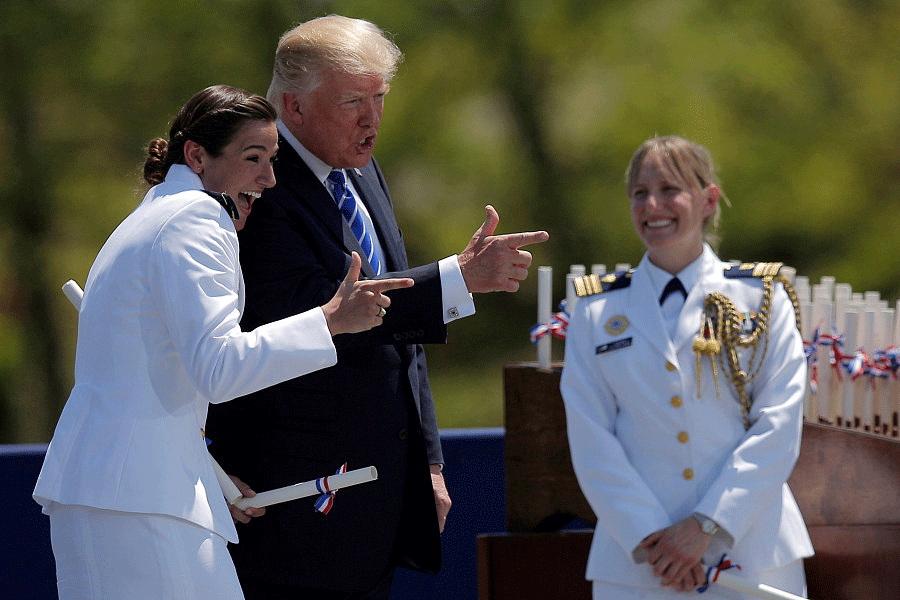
x: 683, y: 389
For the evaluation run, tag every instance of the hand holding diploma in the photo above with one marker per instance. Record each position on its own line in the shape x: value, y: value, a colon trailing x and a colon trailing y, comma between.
x: 675, y: 553
x: 323, y: 485
x: 243, y: 515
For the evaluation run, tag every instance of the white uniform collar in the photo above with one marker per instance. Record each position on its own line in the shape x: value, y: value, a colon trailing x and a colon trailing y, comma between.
x: 184, y: 178
x: 688, y: 275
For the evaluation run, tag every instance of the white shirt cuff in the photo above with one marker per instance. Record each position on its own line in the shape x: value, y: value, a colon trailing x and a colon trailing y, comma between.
x: 455, y: 297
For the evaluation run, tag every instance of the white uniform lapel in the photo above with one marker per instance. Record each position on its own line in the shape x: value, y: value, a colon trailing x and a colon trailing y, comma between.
x: 645, y: 314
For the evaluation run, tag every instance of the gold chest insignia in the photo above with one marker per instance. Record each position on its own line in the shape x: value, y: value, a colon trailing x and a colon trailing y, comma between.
x: 617, y: 325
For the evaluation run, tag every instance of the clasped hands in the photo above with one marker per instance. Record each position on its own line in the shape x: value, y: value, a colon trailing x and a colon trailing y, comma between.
x: 675, y: 554
x: 495, y: 263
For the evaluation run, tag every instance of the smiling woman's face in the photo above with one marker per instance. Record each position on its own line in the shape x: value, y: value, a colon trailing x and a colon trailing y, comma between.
x: 668, y: 214
x: 244, y: 169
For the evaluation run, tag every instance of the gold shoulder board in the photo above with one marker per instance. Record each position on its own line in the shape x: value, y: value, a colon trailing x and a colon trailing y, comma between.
x: 760, y: 269
x: 588, y: 285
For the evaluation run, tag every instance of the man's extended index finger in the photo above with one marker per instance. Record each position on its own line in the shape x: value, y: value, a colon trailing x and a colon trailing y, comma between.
x: 383, y: 285
x: 517, y: 240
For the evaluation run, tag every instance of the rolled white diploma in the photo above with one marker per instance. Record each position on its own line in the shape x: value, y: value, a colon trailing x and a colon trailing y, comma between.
x: 758, y: 590
x: 73, y: 292
x: 229, y: 489
x: 309, y: 488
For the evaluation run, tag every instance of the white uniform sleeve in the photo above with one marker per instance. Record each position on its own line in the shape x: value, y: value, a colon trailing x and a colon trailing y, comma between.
x: 194, y: 280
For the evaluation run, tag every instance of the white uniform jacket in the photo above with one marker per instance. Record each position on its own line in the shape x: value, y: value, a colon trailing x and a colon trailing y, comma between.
x: 158, y: 339
x: 648, y: 452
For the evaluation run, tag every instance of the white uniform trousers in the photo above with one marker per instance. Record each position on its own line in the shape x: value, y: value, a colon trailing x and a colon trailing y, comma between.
x: 790, y: 578
x: 111, y: 555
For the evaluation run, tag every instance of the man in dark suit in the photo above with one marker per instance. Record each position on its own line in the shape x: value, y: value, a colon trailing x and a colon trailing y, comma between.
x: 375, y: 406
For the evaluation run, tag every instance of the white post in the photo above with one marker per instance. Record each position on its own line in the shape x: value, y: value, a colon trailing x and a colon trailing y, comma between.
x: 851, y: 325
x: 801, y: 287
x: 864, y: 408
x: 885, y: 327
x: 810, y: 403
x: 545, y: 295
x: 823, y: 318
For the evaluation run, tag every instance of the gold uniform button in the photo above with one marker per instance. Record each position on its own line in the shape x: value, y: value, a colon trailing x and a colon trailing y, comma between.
x: 670, y: 366
x: 688, y: 474
x: 683, y: 437
x: 676, y: 401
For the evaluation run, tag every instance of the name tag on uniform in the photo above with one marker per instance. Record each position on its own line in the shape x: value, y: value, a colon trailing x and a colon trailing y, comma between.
x: 616, y: 345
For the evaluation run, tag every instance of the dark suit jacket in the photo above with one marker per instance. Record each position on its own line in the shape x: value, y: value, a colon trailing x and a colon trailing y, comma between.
x: 373, y: 408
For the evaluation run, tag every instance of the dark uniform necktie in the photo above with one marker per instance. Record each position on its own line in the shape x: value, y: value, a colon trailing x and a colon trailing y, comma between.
x: 673, y: 286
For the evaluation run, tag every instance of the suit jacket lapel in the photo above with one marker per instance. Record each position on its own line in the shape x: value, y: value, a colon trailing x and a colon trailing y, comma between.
x: 308, y: 189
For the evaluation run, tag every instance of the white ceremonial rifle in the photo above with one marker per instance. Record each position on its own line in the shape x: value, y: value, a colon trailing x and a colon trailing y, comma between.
x: 323, y: 485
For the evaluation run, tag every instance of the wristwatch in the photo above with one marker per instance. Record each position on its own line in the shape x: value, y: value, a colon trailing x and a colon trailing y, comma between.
x: 707, y: 525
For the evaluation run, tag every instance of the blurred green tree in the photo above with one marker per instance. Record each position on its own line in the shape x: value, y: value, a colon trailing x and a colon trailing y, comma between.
x: 532, y: 106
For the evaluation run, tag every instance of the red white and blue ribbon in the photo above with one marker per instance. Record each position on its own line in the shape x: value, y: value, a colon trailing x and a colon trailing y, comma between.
x: 712, y: 573
x: 326, y: 500
x: 880, y: 364
x: 886, y: 362
x: 557, y: 326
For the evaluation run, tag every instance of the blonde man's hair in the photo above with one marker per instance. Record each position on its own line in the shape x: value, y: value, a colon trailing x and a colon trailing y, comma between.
x: 334, y: 42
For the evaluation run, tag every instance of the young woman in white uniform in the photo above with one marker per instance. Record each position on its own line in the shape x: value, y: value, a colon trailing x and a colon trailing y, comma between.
x: 678, y: 464
x: 135, y: 508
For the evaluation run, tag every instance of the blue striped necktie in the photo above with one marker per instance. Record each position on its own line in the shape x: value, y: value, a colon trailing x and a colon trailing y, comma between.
x: 346, y: 203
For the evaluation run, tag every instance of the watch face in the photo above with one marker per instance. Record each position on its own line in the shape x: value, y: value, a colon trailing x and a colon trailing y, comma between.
x: 708, y: 527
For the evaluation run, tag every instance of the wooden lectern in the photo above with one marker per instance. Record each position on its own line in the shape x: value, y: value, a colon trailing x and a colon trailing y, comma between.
x: 846, y: 482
